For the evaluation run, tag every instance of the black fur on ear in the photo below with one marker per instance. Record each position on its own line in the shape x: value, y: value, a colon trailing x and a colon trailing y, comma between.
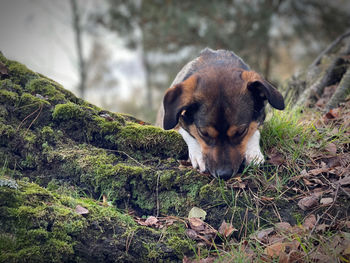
x: 267, y: 91
x: 260, y: 87
x: 172, y: 107
x: 177, y: 99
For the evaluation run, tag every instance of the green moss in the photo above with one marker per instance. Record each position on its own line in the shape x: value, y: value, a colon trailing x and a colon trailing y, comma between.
x: 152, y: 252
x: 3, y: 113
x: 46, y: 88
x: 68, y: 111
x: 36, y: 226
x: 208, y: 192
x: 166, y: 179
x: 151, y: 139
x: 32, y: 106
x: 7, y: 133
x: 181, y: 246
x: 74, y: 120
x: 7, y: 84
x: 192, y: 190
x: 47, y: 133
x: 170, y: 201
x: 19, y: 73
x: 29, y: 162
x: 8, y: 97
x: 106, y: 127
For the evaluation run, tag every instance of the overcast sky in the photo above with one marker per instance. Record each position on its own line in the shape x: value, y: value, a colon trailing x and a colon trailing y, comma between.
x: 39, y: 34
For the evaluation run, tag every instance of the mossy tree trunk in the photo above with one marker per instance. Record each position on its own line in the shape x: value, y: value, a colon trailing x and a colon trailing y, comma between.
x: 329, y: 68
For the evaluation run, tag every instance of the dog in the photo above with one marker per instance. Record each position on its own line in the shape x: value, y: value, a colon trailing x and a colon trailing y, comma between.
x: 217, y: 104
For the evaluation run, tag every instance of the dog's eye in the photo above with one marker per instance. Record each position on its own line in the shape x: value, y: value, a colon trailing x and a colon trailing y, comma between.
x: 241, y: 131
x: 208, y: 134
x: 203, y: 132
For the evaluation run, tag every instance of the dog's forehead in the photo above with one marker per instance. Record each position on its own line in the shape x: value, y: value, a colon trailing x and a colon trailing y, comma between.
x: 223, y: 98
x: 218, y: 79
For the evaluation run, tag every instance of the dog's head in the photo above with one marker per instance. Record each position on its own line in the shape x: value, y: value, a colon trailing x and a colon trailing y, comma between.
x: 221, y: 108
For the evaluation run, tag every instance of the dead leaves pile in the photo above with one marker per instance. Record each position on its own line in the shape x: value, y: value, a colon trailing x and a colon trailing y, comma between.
x: 282, y: 243
x: 285, y: 243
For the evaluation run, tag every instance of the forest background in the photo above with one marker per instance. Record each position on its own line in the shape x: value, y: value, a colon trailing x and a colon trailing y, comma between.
x: 122, y: 55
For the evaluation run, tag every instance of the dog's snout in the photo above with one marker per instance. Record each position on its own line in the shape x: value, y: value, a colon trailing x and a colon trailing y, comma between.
x: 224, y: 173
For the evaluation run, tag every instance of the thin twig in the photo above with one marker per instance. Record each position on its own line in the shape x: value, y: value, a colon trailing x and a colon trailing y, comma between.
x: 20, y: 125
x: 157, y: 196
x: 127, y: 155
x: 276, y: 212
x: 36, y: 117
x: 128, y: 241
x: 244, y: 218
x: 333, y: 221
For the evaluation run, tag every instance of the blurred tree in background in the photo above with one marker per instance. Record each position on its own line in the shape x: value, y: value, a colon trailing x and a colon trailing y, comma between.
x: 267, y: 34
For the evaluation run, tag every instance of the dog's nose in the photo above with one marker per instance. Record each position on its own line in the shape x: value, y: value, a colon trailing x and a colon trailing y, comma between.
x: 224, y: 173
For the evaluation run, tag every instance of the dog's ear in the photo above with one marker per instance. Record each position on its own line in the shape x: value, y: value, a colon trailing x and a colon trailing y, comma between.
x: 257, y: 85
x: 176, y: 99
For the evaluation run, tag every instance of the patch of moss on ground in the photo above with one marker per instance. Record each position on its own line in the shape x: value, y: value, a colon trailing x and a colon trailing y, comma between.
x: 19, y: 73
x: 47, y: 89
x: 150, y: 139
x: 8, y: 97
x: 37, y: 225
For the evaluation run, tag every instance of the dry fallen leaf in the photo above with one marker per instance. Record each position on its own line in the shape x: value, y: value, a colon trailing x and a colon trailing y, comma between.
x: 308, y: 202
x: 267, y: 198
x: 326, y: 200
x: 191, y: 234
x: 226, y: 229
x: 303, y: 173
x: 316, y: 181
x: 275, y: 250
x: 276, y: 158
x: 169, y: 221
x: 81, y: 210
x: 319, y: 170
x: 294, y: 256
x: 262, y: 235
x: 321, y: 227
x: 151, y: 220
x: 344, y: 181
x: 310, y: 222
x: 197, y: 212
x: 307, y: 182
x: 333, y: 161
x: 196, y: 224
x: 283, y: 226
x: 332, y: 114
x: 331, y: 148
x: 347, y: 224
x: 347, y: 250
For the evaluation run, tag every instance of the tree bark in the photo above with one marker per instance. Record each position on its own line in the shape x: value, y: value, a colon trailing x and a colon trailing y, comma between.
x: 79, y: 46
x: 328, y: 69
x: 342, y: 90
